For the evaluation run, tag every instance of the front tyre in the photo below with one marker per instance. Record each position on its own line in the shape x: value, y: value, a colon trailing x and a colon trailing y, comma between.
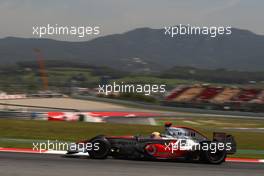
x: 101, y: 148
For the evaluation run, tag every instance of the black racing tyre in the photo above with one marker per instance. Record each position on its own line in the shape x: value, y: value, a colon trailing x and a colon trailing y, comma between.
x: 212, y: 157
x: 81, y: 117
x: 101, y: 148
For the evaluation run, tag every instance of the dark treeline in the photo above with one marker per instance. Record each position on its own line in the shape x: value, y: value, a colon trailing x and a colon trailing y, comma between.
x: 188, y: 73
x: 217, y: 75
x: 95, y: 70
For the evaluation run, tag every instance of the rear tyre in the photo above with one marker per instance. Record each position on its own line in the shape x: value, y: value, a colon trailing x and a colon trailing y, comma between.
x: 101, y: 148
x: 212, y: 157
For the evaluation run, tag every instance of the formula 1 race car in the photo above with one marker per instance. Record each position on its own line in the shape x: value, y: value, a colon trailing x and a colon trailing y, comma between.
x: 177, y: 143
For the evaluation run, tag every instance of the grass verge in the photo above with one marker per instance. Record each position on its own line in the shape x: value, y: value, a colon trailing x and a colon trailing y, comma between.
x: 65, y: 131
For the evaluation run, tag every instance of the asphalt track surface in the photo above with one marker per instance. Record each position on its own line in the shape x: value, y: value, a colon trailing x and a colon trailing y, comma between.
x: 21, y: 164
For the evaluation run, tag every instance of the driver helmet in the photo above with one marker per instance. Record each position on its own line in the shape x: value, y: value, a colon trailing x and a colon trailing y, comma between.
x: 155, y: 135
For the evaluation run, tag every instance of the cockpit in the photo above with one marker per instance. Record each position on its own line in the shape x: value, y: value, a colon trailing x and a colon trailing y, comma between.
x: 182, y: 132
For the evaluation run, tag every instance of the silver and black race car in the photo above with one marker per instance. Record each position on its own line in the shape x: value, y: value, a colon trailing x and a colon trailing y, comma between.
x: 176, y: 143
